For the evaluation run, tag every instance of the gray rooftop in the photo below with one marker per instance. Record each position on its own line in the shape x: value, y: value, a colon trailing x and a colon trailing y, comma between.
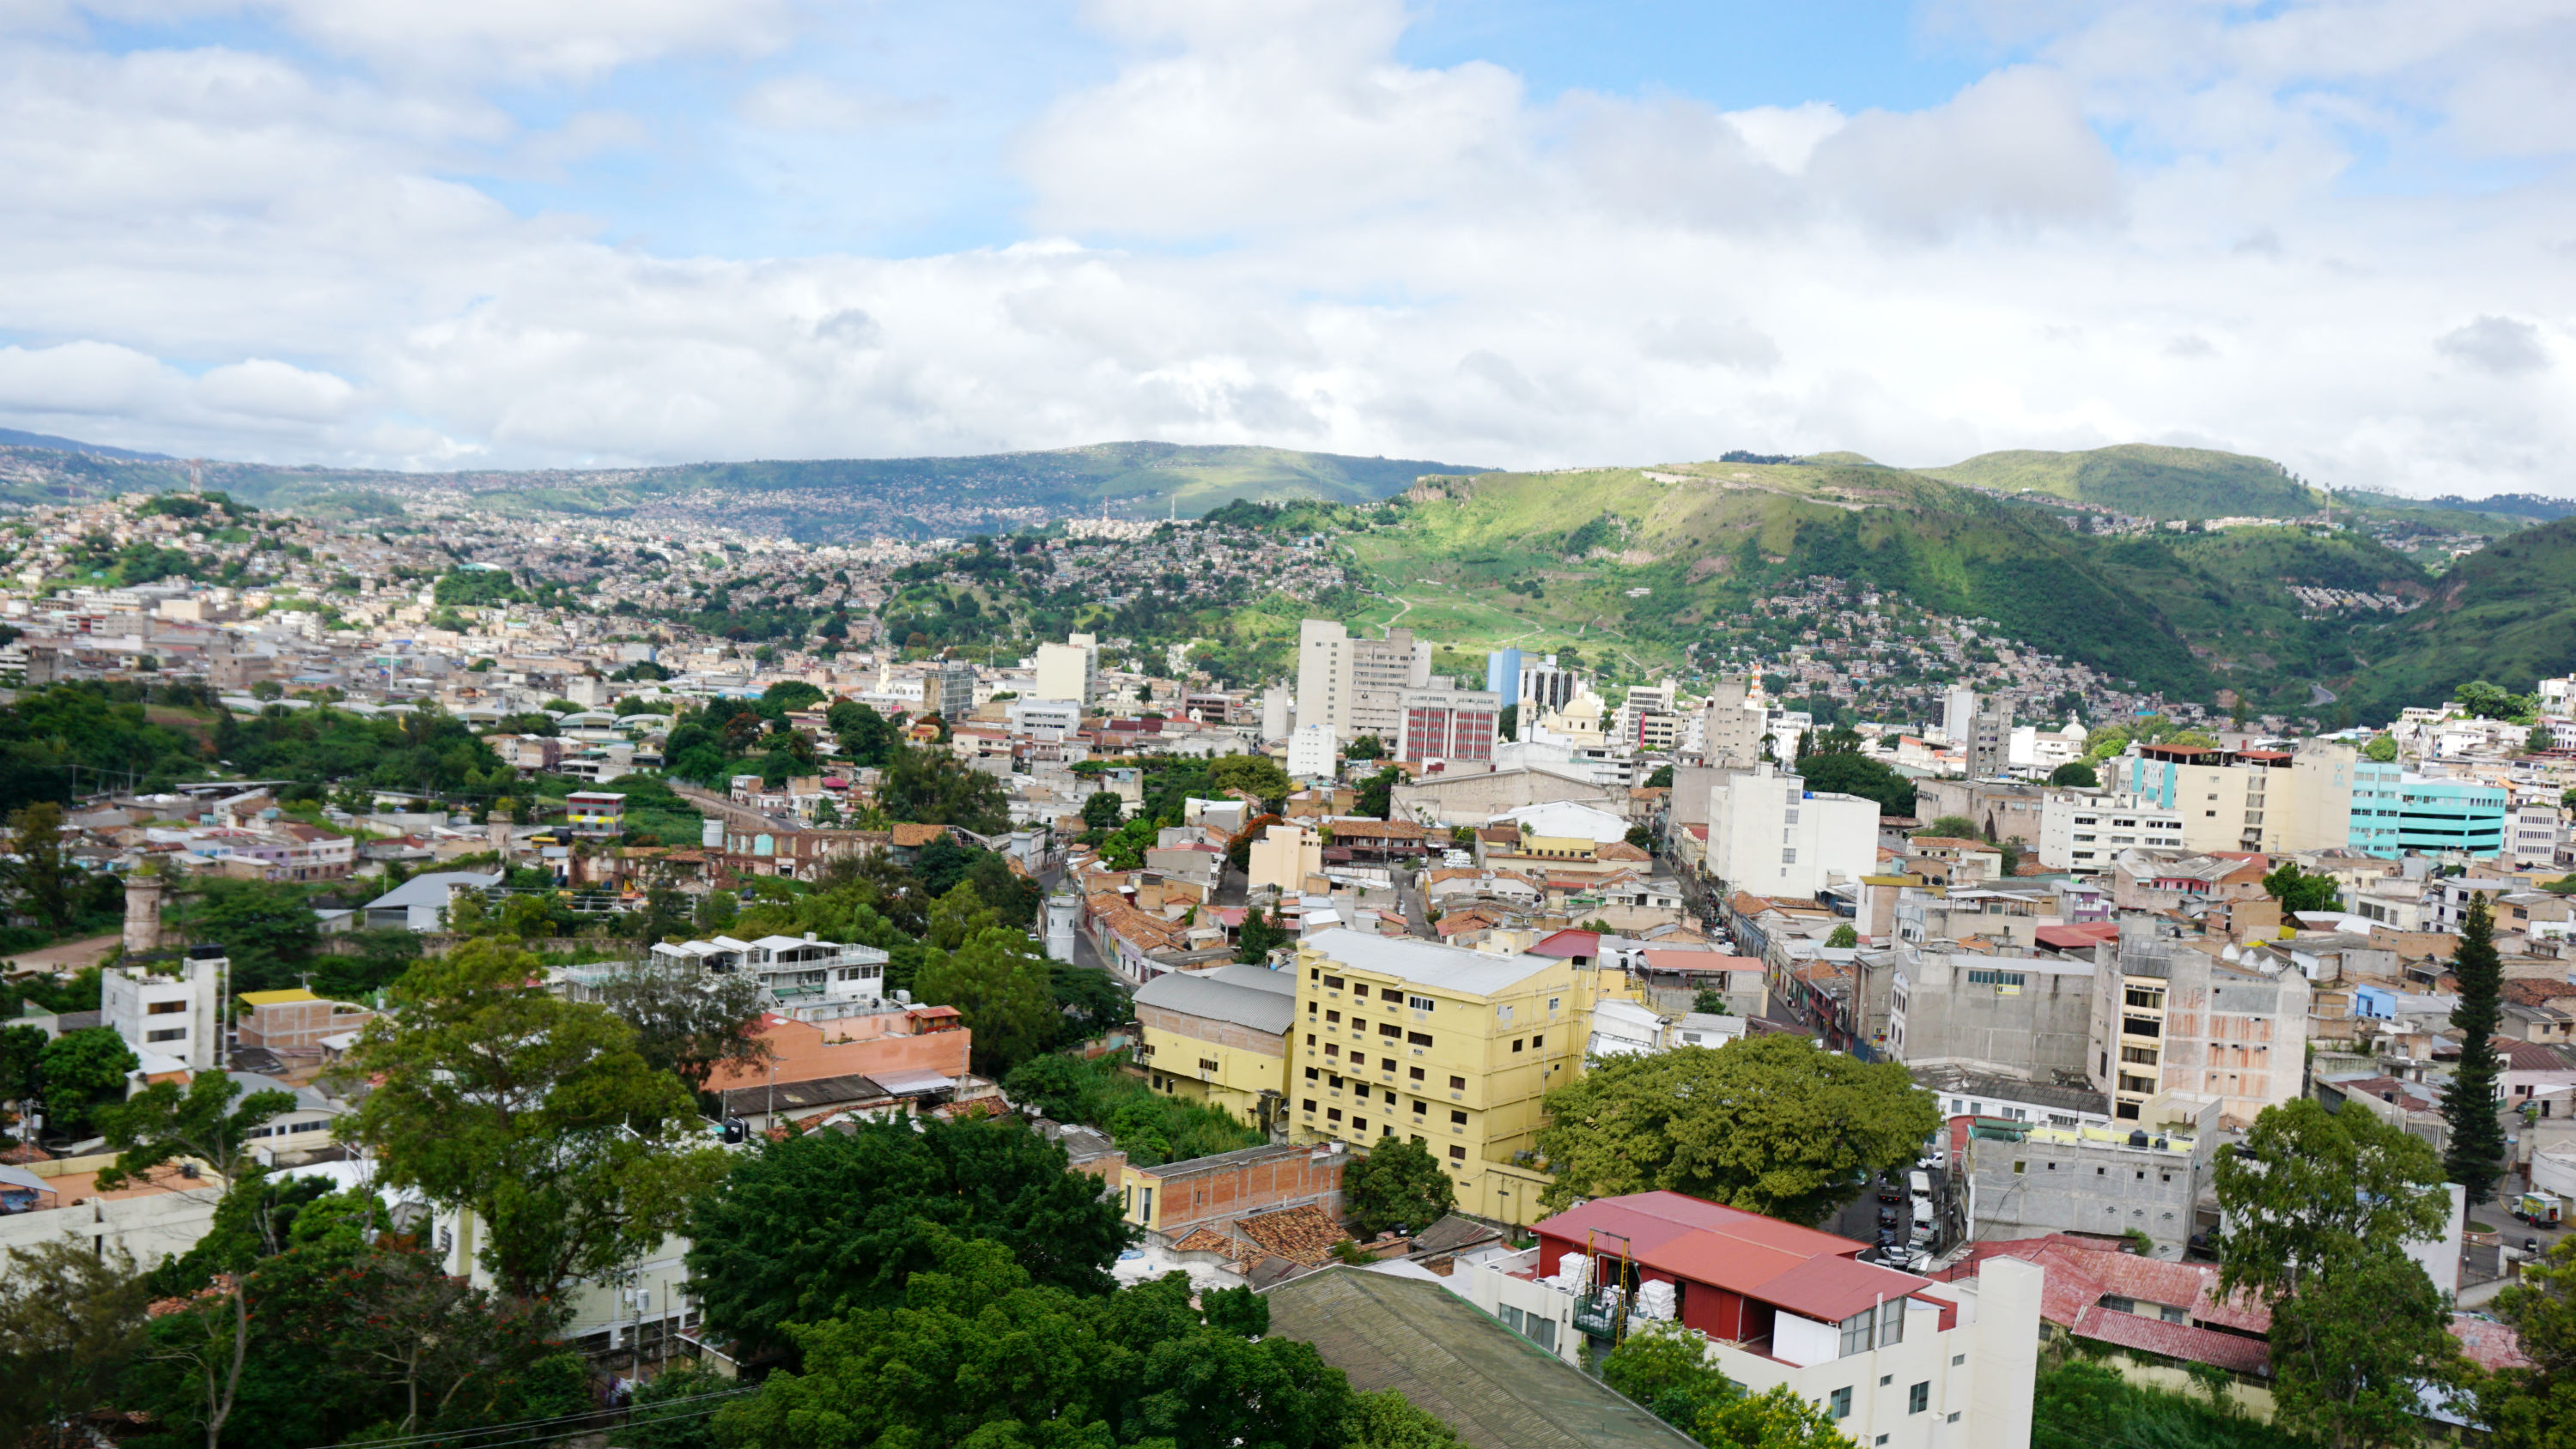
x: 1429, y: 963
x: 1496, y: 1388
x: 1223, y: 995
x: 431, y: 889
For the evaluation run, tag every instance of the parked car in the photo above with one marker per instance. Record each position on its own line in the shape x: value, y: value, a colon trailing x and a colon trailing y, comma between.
x: 1887, y: 1217
x: 1889, y: 1189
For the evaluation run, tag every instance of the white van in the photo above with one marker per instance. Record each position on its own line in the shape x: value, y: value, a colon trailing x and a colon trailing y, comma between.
x: 1920, y: 1183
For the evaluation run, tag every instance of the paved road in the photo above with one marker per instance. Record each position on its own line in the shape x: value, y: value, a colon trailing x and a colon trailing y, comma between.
x: 1858, y: 1221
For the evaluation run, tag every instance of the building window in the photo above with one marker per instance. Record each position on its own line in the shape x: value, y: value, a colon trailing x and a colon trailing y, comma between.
x: 1418, y: 1003
x: 1457, y: 1154
x: 1359, y: 1124
x: 1312, y: 1074
x: 1332, y: 983
x: 1838, y: 1404
x: 1458, y: 1116
x: 1420, y: 1039
x: 1516, y: 1043
x: 1307, y: 1106
x: 1457, y: 1084
x: 164, y: 1008
x: 1538, y: 1043
x: 1919, y: 1397
x: 1417, y: 1074
x: 175, y: 1033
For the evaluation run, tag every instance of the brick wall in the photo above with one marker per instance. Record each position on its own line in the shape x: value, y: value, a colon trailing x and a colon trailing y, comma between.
x: 295, y: 1025
x: 1281, y: 1177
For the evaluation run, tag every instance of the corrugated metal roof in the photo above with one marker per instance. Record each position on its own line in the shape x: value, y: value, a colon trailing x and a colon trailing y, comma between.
x: 1204, y: 994
x: 1496, y: 1388
x: 1743, y: 1252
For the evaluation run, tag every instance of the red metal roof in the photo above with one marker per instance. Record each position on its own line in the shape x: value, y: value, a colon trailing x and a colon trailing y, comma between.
x: 1569, y: 943
x: 2081, y: 937
x: 1800, y: 1269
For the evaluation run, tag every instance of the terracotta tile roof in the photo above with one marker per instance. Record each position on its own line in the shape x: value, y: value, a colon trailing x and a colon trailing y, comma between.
x: 2174, y: 1340
x: 1620, y: 850
x: 2536, y: 991
x: 909, y: 836
x: 1300, y: 1234
x: 1205, y: 1240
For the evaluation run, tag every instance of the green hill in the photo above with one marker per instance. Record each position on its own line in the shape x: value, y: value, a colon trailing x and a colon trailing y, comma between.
x: 814, y: 500
x: 2506, y: 613
x: 2144, y: 479
x: 1660, y: 559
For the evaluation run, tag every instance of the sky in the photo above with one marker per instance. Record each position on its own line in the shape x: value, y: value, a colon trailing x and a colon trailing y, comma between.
x: 435, y: 234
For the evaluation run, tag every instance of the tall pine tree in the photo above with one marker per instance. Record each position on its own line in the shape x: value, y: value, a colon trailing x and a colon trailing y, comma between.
x: 2475, y: 1157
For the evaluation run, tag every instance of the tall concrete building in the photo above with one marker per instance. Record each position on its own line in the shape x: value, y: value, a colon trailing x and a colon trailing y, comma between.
x: 1769, y: 834
x: 1069, y: 671
x: 1503, y: 673
x: 1544, y: 686
x: 1958, y: 713
x: 1735, y: 720
x: 952, y: 689
x: 1989, y: 743
x: 2172, y: 1021
x: 1355, y: 686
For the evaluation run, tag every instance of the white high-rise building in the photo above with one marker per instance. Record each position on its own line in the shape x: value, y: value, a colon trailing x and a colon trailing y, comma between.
x: 1312, y: 753
x: 1769, y: 834
x: 1069, y: 671
x: 1958, y: 714
x: 1355, y: 686
x: 1544, y: 686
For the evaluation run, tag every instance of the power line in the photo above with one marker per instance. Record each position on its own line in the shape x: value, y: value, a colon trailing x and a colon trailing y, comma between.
x: 450, y: 1435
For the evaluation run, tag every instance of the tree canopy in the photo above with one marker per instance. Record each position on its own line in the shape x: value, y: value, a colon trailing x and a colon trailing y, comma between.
x: 974, y: 1350
x: 2298, y: 890
x: 1771, y: 1124
x: 2308, y: 1186
x: 536, y: 1113
x: 1398, y: 1184
x: 831, y: 1223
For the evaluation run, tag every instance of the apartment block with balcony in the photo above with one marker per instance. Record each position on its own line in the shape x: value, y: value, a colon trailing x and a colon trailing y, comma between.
x: 2085, y: 830
x: 807, y: 979
x: 1454, y: 1048
x: 2172, y: 1023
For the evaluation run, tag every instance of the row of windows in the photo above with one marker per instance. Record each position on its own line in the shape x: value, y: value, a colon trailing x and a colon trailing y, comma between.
x: 1361, y: 991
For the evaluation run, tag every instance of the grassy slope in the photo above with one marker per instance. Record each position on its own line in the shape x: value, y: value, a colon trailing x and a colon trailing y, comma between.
x: 2145, y: 479
x: 1704, y: 545
x: 2506, y: 613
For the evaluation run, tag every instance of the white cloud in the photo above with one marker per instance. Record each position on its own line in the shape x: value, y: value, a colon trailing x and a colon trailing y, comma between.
x: 2499, y: 345
x: 516, y: 40
x: 1259, y: 224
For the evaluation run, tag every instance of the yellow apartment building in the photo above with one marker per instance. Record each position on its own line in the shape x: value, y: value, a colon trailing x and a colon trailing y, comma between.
x: 1451, y: 1047
x: 1219, y: 1037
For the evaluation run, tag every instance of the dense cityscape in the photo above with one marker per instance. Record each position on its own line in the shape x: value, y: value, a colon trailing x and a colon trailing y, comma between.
x: 1045, y: 865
